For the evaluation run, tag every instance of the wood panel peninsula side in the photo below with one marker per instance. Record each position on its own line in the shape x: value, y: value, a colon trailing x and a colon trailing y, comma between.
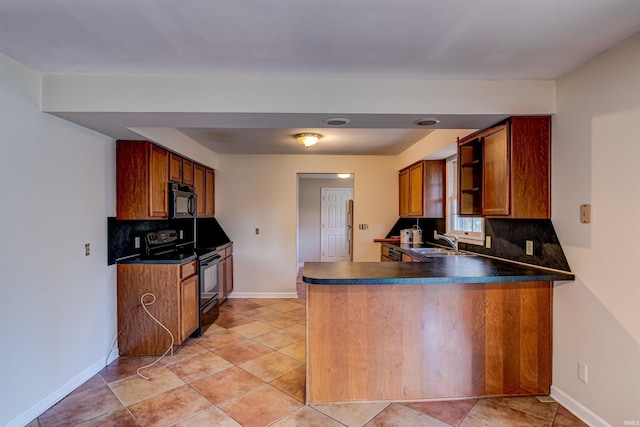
x: 412, y: 331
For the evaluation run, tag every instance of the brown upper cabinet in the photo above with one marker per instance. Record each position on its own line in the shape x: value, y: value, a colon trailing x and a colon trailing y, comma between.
x: 187, y: 172
x: 142, y: 177
x: 204, y: 183
x: 422, y: 189
x: 175, y: 167
x: 506, y: 170
x: 143, y: 173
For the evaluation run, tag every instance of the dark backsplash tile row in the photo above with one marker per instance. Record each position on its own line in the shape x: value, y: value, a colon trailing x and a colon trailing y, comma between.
x: 206, y: 232
x: 508, y: 238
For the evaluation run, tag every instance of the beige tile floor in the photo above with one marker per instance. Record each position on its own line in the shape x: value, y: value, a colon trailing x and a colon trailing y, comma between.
x: 248, y: 370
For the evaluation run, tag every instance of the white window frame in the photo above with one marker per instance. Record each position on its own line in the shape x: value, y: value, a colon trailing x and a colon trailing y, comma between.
x: 453, y: 220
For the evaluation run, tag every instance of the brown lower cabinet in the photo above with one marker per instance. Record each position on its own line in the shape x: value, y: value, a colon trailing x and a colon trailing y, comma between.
x: 175, y: 287
x: 384, y: 253
x: 431, y: 341
x: 225, y: 273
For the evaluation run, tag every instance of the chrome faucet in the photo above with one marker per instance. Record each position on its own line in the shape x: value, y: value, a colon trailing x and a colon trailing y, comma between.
x: 452, y: 239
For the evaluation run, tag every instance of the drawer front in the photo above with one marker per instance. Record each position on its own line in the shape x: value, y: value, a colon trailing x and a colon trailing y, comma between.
x: 188, y: 269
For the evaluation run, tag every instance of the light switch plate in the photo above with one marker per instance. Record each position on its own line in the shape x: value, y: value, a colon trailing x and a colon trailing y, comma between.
x: 529, y: 247
x: 583, y: 372
x: 487, y: 242
x: 585, y: 214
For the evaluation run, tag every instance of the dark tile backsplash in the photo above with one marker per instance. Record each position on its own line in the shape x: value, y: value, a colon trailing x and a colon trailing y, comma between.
x: 508, y: 239
x: 205, y: 232
x: 209, y: 233
x: 122, y: 233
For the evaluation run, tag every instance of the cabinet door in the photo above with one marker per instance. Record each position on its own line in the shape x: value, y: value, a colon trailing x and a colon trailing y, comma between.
x: 222, y: 280
x: 229, y: 275
x: 434, y: 188
x: 209, y: 201
x: 495, y: 181
x: 404, y: 192
x: 158, y: 180
x: 530, y: 164
x: 200, y: 186
x: 189, y: 307
x: 187, y: 172
x: 175, y: 168
x: 416, y: 188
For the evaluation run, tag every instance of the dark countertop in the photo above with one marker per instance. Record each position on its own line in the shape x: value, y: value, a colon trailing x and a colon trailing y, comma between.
x: 443, y: 269
x: 172, y: 259
x: 188, y: 254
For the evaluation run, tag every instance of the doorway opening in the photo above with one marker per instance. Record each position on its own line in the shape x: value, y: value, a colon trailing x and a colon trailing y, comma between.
x: 324, y: 227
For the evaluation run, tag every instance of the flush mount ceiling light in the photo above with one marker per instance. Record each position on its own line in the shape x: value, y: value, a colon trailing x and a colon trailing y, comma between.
x: 336, y: 121
x: 426, y: 122
x: 307, y: 139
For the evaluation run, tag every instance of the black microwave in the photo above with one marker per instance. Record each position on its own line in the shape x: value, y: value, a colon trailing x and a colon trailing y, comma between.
x: 182, y: 201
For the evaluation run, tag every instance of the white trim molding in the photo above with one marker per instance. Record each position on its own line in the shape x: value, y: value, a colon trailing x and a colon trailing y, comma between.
x: 263, y: 295
x: 576, y: 408
x: 39, y: 408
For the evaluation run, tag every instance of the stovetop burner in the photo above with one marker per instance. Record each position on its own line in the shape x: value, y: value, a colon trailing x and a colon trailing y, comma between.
x: 165, y: 244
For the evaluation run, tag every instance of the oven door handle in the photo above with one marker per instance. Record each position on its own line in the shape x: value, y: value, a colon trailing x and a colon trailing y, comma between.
x: 211, y: 260
x: 192, y: 204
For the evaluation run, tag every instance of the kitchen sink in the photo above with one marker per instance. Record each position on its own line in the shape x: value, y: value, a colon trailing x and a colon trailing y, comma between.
x: 437, y: 252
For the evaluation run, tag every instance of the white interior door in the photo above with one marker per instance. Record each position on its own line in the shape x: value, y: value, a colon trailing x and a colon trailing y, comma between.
x: 334, y: 218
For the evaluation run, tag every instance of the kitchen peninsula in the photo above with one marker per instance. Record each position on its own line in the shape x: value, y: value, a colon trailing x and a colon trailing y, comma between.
x: 448, y: 327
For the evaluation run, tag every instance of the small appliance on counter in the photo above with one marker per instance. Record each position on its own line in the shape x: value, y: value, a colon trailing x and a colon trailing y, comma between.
x: 416, y: 235
x: 406, y: 235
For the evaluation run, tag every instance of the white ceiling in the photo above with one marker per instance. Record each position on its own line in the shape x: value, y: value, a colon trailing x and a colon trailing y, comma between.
x: 400, y: 39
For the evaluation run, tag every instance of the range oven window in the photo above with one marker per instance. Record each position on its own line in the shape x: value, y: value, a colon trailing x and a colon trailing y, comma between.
x: 209, y: 285
x: 209, y: 288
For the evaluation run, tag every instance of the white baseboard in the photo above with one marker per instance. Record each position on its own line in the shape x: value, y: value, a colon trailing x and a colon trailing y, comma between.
x: 235, y: 294
x: 577, y: 409
x: 36, y: 410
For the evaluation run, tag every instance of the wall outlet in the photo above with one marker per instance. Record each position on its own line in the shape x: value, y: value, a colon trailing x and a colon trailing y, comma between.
x: 585, y: 214
x: 136, y: 242
x: 363, y: 226
x: 257, y: 231
x: 487, y: 242
x: 529, y: 247
x: 435, y: 233
x: 181, y: 234
x: 583, y: 372
x: 87, y: 249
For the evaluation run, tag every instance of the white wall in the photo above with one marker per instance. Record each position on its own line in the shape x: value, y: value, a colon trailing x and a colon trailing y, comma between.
x: 261, y: 192
x: 596, y: 159
x: 209, y: 94
x: 309, y: 214
x: 57, y: 306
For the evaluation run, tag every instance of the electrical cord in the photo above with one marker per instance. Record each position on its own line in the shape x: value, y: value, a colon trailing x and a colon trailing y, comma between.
x: 126, y: 319
x: 170, y: 349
